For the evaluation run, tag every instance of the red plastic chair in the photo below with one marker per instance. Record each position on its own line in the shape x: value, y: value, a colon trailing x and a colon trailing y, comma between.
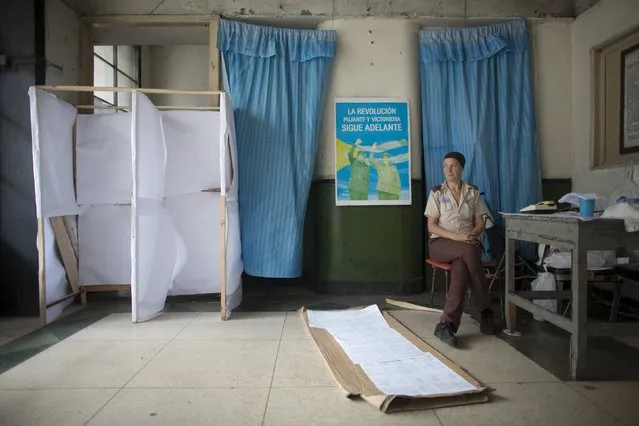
x: 446, y: 267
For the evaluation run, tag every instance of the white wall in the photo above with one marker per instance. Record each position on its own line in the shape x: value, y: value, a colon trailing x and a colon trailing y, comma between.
x: 369, y: 50
x: 62, y: 47
x: 375, y: 58
x: 177, y: 67
x: 604, y: 21
x: 551, y: 52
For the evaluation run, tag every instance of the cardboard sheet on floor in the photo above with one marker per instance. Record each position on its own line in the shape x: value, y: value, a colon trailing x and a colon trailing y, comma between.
x: 355, y: 382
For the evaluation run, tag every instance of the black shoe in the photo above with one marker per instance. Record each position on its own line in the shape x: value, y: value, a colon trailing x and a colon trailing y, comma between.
x: 487, y: 324
x: 445, y: 332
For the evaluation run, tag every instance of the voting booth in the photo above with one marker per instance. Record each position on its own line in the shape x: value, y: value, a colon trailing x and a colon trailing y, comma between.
x: 143, y: 197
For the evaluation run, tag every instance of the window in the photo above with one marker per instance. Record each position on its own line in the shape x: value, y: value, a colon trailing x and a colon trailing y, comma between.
x: 616, y: 112
x: 115, y: 66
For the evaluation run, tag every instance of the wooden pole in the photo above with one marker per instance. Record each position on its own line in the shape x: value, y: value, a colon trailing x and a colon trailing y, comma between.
x: 214, y: 62
x: 161, y: 107
x: 127, y: 90
x: 223, y: 257
x: 42, y: 278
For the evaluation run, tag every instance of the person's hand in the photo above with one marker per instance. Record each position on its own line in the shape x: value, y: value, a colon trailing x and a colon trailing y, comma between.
x: 374, y: 146
x: 358, y: 142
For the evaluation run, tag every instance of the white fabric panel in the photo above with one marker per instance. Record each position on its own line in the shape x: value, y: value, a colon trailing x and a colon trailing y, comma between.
x: 157, y: 254
x: 52, y: 143
x: 103, y: 158
x: 192, y: 146
x: 104, y: 241
x: 196, y: 218
x: 229, y: 178
x: 159, y: 257
x: 148, y: 148
x: 234, y: 264
x: 56, y: 283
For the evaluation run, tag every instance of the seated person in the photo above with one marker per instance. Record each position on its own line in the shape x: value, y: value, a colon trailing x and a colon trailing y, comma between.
x: 455, y: 213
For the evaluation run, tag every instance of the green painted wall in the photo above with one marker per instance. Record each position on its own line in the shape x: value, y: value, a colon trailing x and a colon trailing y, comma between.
x: 377, y: 249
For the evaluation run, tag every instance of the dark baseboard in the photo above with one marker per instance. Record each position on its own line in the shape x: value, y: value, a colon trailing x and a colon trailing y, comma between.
x: 403, y: 288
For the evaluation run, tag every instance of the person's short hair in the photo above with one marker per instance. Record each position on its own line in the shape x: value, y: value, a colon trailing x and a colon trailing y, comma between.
x: 457, y: 156
x: 386, y: 155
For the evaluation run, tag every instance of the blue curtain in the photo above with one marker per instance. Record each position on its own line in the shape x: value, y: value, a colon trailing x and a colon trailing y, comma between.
x: 277, y: 79
x: 477, y: 99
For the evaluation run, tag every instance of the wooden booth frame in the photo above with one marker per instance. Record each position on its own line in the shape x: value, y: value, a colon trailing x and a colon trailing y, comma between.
x: 66, y: 237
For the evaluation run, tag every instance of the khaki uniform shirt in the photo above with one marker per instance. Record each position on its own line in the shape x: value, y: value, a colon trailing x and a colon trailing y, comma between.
x: 452, y: 216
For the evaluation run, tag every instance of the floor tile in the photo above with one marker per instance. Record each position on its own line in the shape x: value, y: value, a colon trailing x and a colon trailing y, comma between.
x: 241, y: 326
x: 81, y: 365
x: 329, y: 406
x: 487, y: 358
x: 12, y: 328
x: 300, y: 363
x: 67, y: 407
x: 617, y: 398
x: 119, y: 327
x: 294, y: 327
x: 630, y: 341
x: 190, y: 407
x: 211, y: 364
x: 531, y: 404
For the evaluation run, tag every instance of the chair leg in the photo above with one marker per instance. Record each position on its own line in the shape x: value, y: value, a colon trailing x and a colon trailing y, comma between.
x: 432, y: 287
x: 447, y: 283
x: 616, y: 300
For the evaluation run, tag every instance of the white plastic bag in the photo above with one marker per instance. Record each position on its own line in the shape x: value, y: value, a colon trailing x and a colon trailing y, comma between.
x: 628, y: 188
x: 545, y: 282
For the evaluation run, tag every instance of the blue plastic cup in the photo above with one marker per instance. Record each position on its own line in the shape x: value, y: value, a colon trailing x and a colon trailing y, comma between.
x: 586, y: 208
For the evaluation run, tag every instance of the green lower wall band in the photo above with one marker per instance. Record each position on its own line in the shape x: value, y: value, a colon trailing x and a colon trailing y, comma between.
x: 376, y: 249
x: 352, y: 249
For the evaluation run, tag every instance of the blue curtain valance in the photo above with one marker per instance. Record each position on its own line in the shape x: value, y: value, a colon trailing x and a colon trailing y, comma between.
x: 265, y: 42
x: 473, y: 44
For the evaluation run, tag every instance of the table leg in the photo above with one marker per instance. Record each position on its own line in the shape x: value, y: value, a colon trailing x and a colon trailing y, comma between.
x: 511, y: 308
x: 579, y: 338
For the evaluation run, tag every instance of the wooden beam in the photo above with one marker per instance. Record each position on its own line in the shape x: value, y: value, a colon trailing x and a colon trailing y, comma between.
x: 42, y: 277
x: 127, y: 90
x: 67, y: 297
x: 214, y: 62
x: 223, y: 257
x: 69, y: 260
x: 148, y: 20
x: 85, y: 59
x: 98, y: 288
x: 161, y: 107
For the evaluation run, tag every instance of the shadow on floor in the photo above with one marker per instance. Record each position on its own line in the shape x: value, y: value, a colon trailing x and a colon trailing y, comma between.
x: 545, y: 344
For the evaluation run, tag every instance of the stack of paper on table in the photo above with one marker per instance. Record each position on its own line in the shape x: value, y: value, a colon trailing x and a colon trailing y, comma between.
x: 373, y: 356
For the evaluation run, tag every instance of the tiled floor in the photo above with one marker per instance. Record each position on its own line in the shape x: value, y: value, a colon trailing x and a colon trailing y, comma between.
x: 261, y: 368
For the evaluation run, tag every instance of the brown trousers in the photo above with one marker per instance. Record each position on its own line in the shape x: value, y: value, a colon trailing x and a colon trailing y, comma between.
x: 467, y: 267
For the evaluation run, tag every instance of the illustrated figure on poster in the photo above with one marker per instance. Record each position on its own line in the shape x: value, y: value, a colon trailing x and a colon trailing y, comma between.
x: 389, y: 186
x: 360, y: 173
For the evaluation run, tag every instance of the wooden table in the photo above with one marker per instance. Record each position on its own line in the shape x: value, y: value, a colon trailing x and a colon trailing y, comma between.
x: 579, y: 235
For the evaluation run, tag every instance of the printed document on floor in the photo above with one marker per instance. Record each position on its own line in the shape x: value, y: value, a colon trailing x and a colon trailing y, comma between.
x: 394, y: 364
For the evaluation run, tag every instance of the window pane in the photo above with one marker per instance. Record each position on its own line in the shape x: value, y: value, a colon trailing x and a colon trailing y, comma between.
x: 124, y: 98
x: 102, y: 77
x: 128, y: 60
x: 105, y: 51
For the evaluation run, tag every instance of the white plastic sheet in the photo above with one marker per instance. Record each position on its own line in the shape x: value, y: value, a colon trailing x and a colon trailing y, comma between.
x: 148, y: 149
x: 197, y: 220
x: 229, y: 179
x: 159, y: 256
x: 104, y: 245
x: 56, y: 284
x: 157, y: 253
x: 103, y: 158
x: 192, y: 145
x: 52, y: 143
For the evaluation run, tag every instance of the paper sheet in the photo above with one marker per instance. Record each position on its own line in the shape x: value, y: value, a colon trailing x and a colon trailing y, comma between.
x: 394, y: 364
x: 424, y: 375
